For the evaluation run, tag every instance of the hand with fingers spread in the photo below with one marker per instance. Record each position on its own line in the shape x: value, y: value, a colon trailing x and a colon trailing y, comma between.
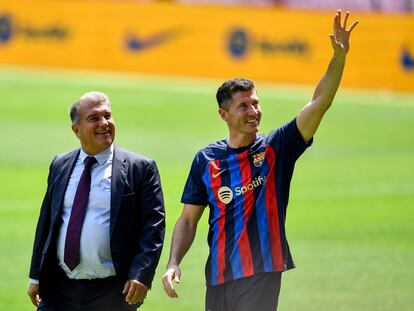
x: 173, y: 273
x: 341, y: 34
x: 135, y: 292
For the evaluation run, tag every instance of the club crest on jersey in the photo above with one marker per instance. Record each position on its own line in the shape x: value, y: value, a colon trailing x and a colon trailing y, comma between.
x: 258, y: 159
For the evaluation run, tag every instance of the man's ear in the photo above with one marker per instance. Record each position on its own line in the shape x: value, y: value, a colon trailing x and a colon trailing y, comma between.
x: 75, y: 129
x: 223, y: 113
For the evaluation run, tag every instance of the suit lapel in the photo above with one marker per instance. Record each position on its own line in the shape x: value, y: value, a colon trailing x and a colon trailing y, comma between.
x: 61, y: 183
x: 119, y: 174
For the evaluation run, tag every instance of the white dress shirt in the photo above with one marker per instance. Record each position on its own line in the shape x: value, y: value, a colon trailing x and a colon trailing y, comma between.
x: 95, y: 252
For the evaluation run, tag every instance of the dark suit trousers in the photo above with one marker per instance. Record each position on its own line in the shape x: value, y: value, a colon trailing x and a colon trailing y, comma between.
x: 85, y: 295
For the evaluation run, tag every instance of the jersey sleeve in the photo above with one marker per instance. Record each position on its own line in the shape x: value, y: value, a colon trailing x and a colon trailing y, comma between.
x: 289, y: 140
x: 195, y: 191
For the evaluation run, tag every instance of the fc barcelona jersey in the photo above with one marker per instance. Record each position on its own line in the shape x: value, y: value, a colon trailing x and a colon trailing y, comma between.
x: 247, y: 190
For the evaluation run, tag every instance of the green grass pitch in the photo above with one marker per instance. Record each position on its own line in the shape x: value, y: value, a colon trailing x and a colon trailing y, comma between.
x: 351, y: 213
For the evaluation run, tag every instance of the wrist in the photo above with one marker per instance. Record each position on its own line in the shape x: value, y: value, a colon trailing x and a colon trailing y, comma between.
x: 172, y: 264
x: 339, y: 55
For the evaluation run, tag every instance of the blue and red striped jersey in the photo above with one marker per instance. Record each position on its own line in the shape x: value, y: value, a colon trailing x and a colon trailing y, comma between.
x: 247, y: 190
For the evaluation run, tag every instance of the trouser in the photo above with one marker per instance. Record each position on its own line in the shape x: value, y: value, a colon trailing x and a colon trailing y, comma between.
x: 85, y: 295
x: 258, y: 292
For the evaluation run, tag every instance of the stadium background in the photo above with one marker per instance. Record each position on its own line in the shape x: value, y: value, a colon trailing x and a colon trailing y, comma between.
x: 351, y: 215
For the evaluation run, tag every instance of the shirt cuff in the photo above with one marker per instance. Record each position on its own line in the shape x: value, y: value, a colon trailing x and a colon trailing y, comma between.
x: 34, y: 281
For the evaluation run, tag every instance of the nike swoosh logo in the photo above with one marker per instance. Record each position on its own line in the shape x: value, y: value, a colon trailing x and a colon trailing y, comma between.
x: 215, y: 175
x: 136, y: 44
x: 407, y: 59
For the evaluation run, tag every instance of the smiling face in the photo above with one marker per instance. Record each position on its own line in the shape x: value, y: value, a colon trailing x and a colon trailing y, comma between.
x: 95, y: 128
x: 243, y: 115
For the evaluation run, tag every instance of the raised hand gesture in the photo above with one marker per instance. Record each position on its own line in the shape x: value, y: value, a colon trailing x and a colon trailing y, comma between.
x: 341, y: 34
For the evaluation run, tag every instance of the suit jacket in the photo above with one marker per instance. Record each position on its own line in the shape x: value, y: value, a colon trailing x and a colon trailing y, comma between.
x: 137, y: 218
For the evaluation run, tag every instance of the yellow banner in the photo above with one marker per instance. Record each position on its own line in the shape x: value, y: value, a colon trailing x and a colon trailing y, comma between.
x: 270, y: 44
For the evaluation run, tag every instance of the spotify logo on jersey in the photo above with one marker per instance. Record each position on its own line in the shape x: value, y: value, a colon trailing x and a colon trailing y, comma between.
x: 225, y: 195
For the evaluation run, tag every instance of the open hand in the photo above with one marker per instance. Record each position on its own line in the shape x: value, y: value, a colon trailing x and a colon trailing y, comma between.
x: 173, y: 273
x: 341, y: 34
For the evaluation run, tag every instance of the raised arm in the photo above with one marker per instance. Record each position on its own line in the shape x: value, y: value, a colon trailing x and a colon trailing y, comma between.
x: 183, y: 237
x: 311, y: 115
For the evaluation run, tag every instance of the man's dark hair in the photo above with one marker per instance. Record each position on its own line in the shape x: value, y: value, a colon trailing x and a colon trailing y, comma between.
x: 227, y: 89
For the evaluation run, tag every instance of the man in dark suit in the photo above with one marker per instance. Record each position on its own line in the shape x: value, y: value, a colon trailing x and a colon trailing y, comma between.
x: 101, y: 226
